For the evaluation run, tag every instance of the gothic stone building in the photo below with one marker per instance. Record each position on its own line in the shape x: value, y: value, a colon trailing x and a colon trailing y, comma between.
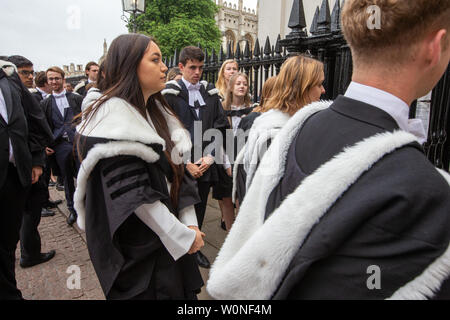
x: 237, y: 23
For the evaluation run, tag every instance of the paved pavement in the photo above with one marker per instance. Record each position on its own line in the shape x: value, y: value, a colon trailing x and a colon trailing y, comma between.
x: 52, y: 280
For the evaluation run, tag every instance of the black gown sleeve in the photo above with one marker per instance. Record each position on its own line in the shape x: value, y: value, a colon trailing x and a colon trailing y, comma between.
x: 39, y: 133
x: 188, y: 192
x: 128, y: 182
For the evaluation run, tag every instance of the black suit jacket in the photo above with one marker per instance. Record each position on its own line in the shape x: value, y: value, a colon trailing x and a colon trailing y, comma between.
x: 395, y: 216
x: 211, y: 116
x: 75, y: 101
x: 38, y: 96
x: 26, y: 127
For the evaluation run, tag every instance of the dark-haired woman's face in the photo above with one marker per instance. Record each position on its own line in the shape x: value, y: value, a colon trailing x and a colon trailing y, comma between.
x: 151, y: 71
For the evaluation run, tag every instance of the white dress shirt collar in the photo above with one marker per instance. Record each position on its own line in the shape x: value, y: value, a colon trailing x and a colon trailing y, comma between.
x: 42, y: 92
x: 394, y: 106
x: 194, y: 93
x: 3, y: 110
x: 61, y: 101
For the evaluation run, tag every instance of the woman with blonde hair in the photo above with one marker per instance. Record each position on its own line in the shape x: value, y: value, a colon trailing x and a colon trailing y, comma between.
x: 174, y: 74
x: 299, y: 83
x: 237, y: 105
x: 227, y: 70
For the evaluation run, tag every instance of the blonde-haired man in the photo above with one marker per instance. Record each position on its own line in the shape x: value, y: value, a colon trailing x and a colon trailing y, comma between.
x: 357, y: 212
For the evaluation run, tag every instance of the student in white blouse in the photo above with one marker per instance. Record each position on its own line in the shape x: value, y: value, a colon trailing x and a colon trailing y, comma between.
x: 134, y: 198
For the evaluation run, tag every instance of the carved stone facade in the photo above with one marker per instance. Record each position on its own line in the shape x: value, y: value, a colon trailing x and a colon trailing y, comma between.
x: 237, y: 23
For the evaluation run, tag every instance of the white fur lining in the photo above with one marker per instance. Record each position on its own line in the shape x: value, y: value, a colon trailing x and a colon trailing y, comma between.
x: 103, y: 151
x: 170, y: 91
x: 204, y: 83
x: 118, y: 120
x: 173, y: 82
x: 265, y: 127
x: 79, y: 85
x: 213, y: 91
x: 425, y: 285
x: 255, y: 254
x: 8, y: 67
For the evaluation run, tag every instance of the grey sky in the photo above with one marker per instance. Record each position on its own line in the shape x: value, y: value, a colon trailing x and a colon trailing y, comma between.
x: 60, y: 32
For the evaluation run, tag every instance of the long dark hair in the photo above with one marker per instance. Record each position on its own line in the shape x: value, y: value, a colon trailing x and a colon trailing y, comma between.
x: 121, y: 81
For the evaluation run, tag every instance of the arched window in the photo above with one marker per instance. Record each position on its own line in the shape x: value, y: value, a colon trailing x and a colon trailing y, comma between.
x: 248, y: 37
x: 230, y: 36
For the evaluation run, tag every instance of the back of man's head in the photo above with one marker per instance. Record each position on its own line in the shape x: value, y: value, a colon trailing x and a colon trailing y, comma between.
x: 41, y: 79
x: 20, y: 61
x: 191, y: 53
x: 388, y: 30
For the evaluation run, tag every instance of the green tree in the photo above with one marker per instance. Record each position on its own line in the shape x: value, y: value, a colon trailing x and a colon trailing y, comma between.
x: 179, y: 23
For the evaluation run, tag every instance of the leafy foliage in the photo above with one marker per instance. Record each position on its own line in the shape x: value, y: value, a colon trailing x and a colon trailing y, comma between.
x: 179, y: 23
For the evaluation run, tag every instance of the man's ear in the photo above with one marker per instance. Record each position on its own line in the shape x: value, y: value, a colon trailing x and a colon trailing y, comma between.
x: 435, y: 45
x: 181, y: 66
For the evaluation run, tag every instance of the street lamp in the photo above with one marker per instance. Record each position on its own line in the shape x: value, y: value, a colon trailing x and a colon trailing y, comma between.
x: 133, y: 7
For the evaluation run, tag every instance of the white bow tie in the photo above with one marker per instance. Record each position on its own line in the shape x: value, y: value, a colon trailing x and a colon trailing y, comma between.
x: 194, y: 94
x: 194, y: 87
x: 59, y: 95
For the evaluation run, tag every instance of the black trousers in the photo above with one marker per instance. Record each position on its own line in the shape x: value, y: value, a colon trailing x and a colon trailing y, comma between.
x: 12, y: 201
x: 30, y: 240
x: 68, y: 165
x: 200, y: 208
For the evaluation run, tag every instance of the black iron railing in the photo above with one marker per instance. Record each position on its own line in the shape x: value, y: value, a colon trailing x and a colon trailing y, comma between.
x: 326, y: 43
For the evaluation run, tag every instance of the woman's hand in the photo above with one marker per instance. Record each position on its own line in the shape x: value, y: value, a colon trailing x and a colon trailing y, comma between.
x: 198, y: 242
x: 194, y: 170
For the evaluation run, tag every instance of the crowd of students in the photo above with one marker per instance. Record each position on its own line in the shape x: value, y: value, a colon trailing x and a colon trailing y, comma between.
x: 313, y: 193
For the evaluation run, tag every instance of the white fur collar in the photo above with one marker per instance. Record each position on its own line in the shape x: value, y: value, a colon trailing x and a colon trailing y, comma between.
x: 103, y: 151
x: 8, y: 67
x: 256, y: 253
x: 173, y: 82
x: 265, y: 127
x: 176, y: 92
x: 118, y: 120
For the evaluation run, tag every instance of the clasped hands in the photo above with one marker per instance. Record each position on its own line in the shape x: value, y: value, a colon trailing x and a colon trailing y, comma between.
x: 198, y: 242
x: 198, y: 168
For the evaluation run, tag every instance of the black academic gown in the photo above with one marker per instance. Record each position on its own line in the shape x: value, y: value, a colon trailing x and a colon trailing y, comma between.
x: 241, y: 176
x: 28, y: 133
x: 395, y: 216
x: 130, y: 260
x: 211, y: 116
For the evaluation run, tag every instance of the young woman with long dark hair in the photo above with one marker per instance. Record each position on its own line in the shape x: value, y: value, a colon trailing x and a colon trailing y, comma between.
x: 134, y: 199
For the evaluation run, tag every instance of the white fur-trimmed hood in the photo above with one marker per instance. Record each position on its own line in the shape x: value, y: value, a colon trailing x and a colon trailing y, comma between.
x: 256, y: 253
x: 118, y: 120
x: 265, y: 127
x: 8, y: 67
x: 131, y: 134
